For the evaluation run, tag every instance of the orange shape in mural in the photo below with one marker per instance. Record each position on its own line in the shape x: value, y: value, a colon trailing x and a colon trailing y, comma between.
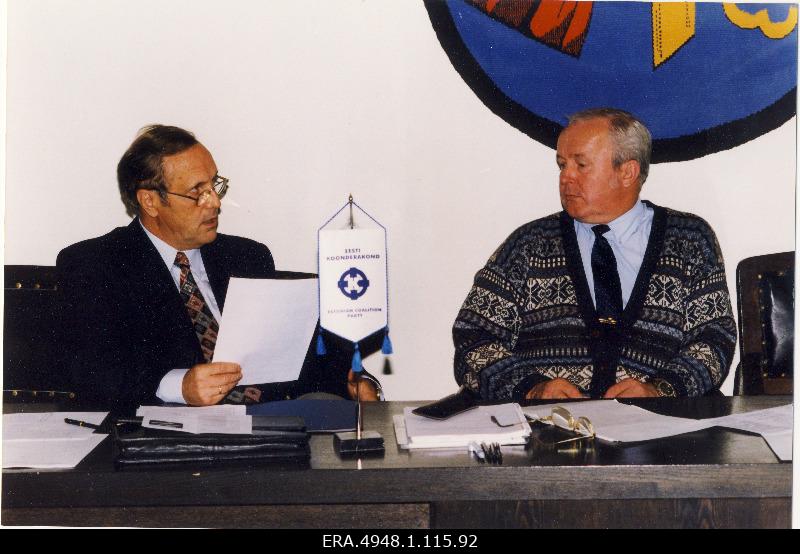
x: 562, y: 24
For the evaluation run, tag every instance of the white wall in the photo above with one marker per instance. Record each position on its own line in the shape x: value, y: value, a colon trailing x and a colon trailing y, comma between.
x: 302, y: 103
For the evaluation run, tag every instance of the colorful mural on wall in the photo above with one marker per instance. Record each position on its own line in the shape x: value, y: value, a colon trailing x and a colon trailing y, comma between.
x: 704, y: 77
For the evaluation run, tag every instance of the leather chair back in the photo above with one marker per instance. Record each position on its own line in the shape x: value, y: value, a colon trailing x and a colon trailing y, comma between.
x: 30, y: 350
x: 765, y: 294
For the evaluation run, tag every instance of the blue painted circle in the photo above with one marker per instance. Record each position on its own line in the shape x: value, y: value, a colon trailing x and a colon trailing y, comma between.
x: 722, y: 75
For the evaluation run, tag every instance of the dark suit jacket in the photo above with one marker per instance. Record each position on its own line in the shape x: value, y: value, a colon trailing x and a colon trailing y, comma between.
x: 125, y: 326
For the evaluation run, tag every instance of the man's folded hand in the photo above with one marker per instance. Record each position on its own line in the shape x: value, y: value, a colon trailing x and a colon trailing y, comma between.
x: 630, y: 388
x: 553, y: 389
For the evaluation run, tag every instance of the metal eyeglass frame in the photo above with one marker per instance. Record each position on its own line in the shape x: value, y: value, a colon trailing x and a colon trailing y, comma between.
x: 220, y: 187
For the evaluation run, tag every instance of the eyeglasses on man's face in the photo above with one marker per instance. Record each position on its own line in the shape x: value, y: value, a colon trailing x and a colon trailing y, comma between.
x: 219, y: 186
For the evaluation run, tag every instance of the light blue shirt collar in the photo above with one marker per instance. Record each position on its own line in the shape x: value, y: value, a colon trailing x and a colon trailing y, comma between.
x: 623, y: 227
x: 168, y: 253
x: 628, y: 238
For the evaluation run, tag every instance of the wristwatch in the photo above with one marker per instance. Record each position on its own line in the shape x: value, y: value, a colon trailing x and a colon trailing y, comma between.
x: 664, y: 388
x: 368, y: 377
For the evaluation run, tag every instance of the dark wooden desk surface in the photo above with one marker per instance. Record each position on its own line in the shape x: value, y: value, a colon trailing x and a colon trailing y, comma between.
x: 714, y: 477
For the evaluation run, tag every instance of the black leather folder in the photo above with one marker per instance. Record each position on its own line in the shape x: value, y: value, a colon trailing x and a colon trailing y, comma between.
x: 274, y: 439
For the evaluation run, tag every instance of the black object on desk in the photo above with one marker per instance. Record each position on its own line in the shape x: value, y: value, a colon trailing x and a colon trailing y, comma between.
x: 448, y: 406
x: 274, y: 438
x: 370, y: 442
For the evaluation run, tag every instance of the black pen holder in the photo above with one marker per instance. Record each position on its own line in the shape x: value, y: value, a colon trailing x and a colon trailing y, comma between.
x: 348, y: 443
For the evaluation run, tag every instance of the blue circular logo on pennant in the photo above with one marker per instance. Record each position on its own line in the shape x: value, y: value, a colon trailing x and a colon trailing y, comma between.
x: 353, y: 283
x: 703, y: 76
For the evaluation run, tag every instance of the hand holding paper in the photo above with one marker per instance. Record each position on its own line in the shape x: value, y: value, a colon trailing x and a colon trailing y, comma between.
x: 207, y: 384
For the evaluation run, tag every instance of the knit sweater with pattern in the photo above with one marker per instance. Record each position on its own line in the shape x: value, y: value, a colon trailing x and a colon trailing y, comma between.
x: 529, y: 316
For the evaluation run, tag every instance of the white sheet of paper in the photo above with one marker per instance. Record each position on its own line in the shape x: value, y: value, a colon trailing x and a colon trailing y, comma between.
x: 267, y: 326
x: 48, y: 426
x: 472, y: 425
x: 769, y: 420
x: 617, y: 422
x: 774, y: 424
x: 44, y: 440
x: 48, y: 453
x: 625, y: 423
x: 165, y: 412
x: 781, y: 444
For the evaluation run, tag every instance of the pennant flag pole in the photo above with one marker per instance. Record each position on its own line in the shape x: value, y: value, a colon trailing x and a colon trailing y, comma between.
x: 353, y: 295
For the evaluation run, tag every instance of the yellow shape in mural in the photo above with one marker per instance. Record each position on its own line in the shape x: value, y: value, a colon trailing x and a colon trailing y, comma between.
x: 761, y: 20
x: 673, y: 26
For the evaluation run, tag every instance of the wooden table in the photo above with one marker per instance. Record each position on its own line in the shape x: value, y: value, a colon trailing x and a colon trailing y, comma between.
x: 711, y: 478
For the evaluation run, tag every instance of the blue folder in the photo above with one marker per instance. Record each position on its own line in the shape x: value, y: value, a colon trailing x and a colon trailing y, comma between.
x: 321, y: 416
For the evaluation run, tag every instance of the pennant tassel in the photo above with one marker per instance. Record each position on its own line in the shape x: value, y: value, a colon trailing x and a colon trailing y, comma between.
x: 387, y: 343
x: 357, y: 367
x: 321, y: 351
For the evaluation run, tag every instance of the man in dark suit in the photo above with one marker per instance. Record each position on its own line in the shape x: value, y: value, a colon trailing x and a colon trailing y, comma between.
x: 140, y: 304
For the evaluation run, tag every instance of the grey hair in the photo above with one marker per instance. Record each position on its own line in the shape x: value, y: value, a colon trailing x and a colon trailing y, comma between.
x: 632, y: 140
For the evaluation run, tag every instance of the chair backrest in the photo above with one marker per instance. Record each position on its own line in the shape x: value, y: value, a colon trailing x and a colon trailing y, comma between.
x: 765, y: 294
x: 30, y: 351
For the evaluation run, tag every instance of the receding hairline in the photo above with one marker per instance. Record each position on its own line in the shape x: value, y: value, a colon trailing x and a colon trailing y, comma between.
x: 169, y: 170
x: 609, y: 129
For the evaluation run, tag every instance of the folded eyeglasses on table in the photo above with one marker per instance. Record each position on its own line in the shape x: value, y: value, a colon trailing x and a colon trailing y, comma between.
x: 563, y: 419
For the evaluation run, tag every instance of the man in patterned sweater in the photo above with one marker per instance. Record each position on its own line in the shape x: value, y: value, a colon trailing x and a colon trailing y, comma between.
x: 612, y: 297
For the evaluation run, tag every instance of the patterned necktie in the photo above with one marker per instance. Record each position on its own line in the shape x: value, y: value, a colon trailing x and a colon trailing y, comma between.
x: 203, y: 321
x: 607, y: 290
x: 608, y: 305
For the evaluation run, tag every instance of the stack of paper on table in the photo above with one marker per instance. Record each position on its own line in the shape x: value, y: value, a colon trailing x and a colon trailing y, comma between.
x: 229, y: 419
x: 44, y: 440
x: 509, y: 426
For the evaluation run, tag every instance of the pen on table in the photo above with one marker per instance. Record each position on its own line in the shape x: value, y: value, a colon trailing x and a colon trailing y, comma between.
x: 81, y: 423
x: 160, y: 423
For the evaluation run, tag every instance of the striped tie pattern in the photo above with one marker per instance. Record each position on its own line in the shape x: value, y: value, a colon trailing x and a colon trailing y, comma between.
x: 203, y: 321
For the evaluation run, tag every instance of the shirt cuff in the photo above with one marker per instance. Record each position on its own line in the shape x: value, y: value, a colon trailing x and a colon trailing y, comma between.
x: 170, y: 389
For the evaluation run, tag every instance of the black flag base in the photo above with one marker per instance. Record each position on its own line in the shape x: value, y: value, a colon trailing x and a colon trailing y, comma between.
x: 350, y: 444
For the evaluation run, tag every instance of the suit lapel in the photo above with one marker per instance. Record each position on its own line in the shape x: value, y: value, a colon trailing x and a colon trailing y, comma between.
x: 155, y: 290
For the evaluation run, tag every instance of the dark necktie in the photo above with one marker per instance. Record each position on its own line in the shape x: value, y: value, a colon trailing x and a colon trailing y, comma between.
x: 608, y: 306
x: 607, y: 290
x: 203, y: 321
